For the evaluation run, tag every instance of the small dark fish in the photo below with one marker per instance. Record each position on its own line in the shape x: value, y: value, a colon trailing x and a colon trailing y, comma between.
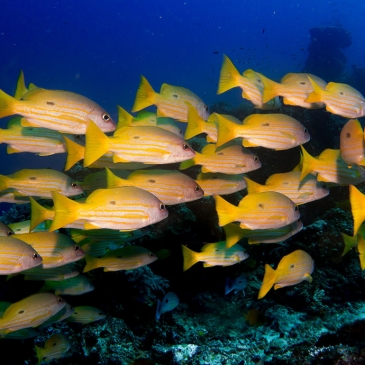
x: 168, y: 303
x: 237, y: 284
x: 263, y: 31
x: 215, y: 52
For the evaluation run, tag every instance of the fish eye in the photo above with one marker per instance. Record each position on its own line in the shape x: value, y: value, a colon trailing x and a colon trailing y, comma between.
x: 105, y: 117
x: 256, y: 159
x: 152, y: 254
x: 10, y: 233
x: 180, y: 131
x: 35, y: 256
x: 305, y: 130
x: 295, y: 208
x: 77, y: 137
x: 206, y: 108
x: 162, y: 206
x: 197, y: 188
x: 185, y: 146
x: 74, y: 185
x: 60, y: 300
x: 77, y: 247
x: 324, y: 186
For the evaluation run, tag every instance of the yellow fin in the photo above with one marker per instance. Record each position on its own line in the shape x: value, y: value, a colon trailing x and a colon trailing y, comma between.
x: 11, y: 150
x: 357, y: 201
x: 21, y: 89
x: 268, y: 281
x: 226, y: 130
x: 225, y: 210
x: 97, y: 144
x: 190, y: 257
x: 145, y: 97
x: 308, y: 163
x: 234, y: 233
x: 316, y: 95
x: 113, y: 180
x: 188, y: 163
x: 66, y: 211
x: 89, y: 225
x: 270, y: 89
x: 75, y: 152
x: 7, y: 104
x: 38, y: 214
x: 26, y: 123
x: 252, y: 186
x: 247, y: 143
x: 196, y: 123
x: 4, y: 182
x: 117, y: 158
x: 124, y: 118
x: 91, y: 263
x: 229, y: 76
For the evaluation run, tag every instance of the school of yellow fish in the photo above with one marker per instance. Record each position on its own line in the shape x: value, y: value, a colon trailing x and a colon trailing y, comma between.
x: 118, y: 204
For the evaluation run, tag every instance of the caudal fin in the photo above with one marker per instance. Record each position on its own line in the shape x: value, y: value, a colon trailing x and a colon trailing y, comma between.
x: 112, y: 180
x: 97, y: 144
x: 229, y: 76
x: 75, y: 152
x: 270, y: 90
x: 124, y: 118
x: 316, y: 95
x: 7, y: 103
x: 92, y: 263
x: 226, y: 211
x: 196, y: 124
x: 38, y: 214
x: 66, y: 211
x: 268, y: 281
x: 357, y: 201
x: 234, y: 233
x: 226, y: 130
x: 190, y: 257
x: 308, y: 163
x: 145, y: 97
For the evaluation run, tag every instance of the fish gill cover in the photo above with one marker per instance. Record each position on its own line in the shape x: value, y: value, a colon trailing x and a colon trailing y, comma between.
x: 263, y: 181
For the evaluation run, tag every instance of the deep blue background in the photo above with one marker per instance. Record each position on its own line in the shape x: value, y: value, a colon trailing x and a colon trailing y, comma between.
x: 99, y: 49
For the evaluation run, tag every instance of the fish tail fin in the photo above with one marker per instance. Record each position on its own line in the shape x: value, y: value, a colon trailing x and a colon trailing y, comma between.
x: 195, y: 122
x: 226, y: 211
x: 316, y: 95
x: 252, y: 186
x: 92, y: 263
x: 40, y: 353
x: 233, y: 234
x: 190, y: 257
x: 75, y: 152
x: 97, y: 144
x: 124, y: 118
x: 270, y: 90
x: 357, y: 201
x: 229, y: 76
x: 268, y: 281
x: 38, y: 214
x: 361, y: 250
x: 308, y: 163
x: 21, y: 89
x: 188, y: 163
x: 145, y: 97
x: 7, y: 103
x: 112, y: 180
x: 66, y: 211
x: 4, y: 182
x: 226, y: 130
x: 349, y: 241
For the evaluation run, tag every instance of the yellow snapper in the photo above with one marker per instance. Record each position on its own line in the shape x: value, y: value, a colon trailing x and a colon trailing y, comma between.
x: 127, y: 120
x: 220, y: 184
x: 197, y: 125
x: 54, y: 348
x: 340, y: 99
x: 86, y: 314
x: 5, y: 230
x: 76, y: 285
x: 330, y: 167
x: 56, y: 249
x: 275, y: 131
x: 170, y: 101
x: 136, y: 144
x: 250, y: 83
x: 294, y: 88
x: 41, y: 141
x: 170, y: 186
x: 234, y: 233
x: 290, y: 184
x: 40, y: 183
x: 352, y: 144
x: 121, y: 208
x: 292, y: 269
x: 230, y: 159
x: 125, y: 258
x: 214, y: 254
x: 63, y: 111
x: 16, y: 256
x: 30, y: 312
x: 265, y: 210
